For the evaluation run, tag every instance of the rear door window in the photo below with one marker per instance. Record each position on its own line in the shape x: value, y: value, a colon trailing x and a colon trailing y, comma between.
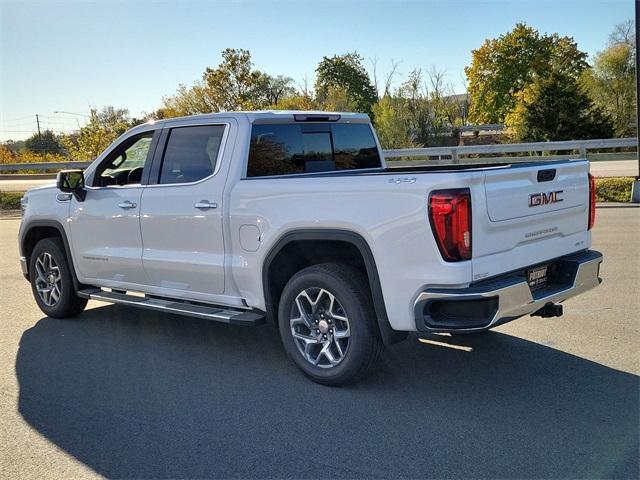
x: 191, y: 153
x: 286, y: 149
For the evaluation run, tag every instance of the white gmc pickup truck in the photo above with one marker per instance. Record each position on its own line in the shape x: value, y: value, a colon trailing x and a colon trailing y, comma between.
x: 293, y: 218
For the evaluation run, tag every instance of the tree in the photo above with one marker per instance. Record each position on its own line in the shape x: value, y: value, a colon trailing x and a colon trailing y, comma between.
x: 624, y: 32
x: 555, y: 107
x: 421, y: 112
x: 345, y: 74
x: 233, y: 85
x: 45, y: 142
x: 417, y: 109
x: 103, y: 128
x: 6, y: 154
x: 14, y: 145
x: 502, y: 67
x: 338, y: 99
x: 186, y: 101
x: 611, y: 81
x: 272, y: 90
x: 392, y: 123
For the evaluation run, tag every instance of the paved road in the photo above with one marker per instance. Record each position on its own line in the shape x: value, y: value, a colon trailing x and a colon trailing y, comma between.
x: 614, y: 168
x: 125, y: 393
x: 23, y: 184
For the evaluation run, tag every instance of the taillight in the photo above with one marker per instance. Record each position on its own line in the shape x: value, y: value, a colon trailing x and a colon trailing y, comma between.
x: 450, y: 217
x: 592, y: 202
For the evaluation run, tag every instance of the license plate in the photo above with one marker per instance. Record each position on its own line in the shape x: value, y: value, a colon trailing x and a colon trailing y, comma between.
x: 537, y: 277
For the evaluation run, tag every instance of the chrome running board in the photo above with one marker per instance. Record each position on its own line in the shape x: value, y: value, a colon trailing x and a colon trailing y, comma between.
x: 180, y: 307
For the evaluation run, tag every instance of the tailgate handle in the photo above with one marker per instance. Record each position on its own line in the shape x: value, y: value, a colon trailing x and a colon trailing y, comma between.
x: 546, y: 175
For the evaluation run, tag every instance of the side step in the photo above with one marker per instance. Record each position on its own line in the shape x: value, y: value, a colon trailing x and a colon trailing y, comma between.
x: 207, y: 312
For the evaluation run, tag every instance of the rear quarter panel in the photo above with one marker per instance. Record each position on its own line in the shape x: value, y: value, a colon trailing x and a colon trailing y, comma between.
x: 391, y: 217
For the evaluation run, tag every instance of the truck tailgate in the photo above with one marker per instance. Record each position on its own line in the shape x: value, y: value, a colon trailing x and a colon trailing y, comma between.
x: 527, y: 214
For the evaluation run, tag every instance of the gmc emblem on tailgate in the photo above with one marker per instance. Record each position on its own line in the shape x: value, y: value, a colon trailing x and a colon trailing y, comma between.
x: 543, y: 198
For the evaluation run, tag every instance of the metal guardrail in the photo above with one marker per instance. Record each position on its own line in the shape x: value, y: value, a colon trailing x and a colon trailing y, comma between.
x: 12, y: 167
x: 454, y: 153
x: 489, y: 127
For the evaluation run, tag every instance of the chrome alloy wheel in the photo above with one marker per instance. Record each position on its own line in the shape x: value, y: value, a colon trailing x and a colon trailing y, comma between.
x: 48, y: 279
x: 320, y: 327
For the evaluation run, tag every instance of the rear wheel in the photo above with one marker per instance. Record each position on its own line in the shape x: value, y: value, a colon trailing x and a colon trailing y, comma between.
x: 327, y: 324
x: 51, y: 280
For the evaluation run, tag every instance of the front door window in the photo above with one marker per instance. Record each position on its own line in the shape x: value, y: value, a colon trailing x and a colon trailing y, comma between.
x: 126, y: 164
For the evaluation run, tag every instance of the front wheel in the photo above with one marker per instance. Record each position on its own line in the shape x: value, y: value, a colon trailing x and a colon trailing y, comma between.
x: 327, y: 324
x: 51, y: 280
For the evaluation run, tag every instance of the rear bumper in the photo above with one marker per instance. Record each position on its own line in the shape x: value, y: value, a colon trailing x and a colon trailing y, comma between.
x: 505, y: 298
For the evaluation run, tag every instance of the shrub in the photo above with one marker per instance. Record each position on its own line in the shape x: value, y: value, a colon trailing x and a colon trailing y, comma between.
x: 7, y: 156
x: 10, y: 200
x: 614, y: 189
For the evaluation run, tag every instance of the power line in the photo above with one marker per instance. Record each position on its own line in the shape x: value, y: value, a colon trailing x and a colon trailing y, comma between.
x: 73, y: 113
x: 18, y: 131
x: 16, y: 125
x: 19, y: 118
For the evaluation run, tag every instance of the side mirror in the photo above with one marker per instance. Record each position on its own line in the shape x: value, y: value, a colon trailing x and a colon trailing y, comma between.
x: 72, y: 181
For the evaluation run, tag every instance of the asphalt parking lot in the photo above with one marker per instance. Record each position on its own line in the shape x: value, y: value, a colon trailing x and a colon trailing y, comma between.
x: 135, y: 394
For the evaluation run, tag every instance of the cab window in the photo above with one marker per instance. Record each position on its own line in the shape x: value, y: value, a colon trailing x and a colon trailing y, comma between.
x: 288, y: 149
x: 191, y: 153
x: 126, y: 164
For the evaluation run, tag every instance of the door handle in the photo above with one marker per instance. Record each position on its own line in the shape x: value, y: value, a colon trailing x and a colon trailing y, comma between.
x: 127, y: 204
x: 205, y: 205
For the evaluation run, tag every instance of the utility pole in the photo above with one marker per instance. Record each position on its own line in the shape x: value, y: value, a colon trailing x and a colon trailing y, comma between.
x: 38, y: 122
x: 638, y: 86
x: 635, y: 190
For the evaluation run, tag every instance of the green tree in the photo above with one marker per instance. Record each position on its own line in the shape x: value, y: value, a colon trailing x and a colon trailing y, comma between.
x: 233, y: 85
x: 421, y: 112
x: 45, y: 142
x: 392, y: 123
x: 272, y: 90
x: 296, y: 102
x: 416, y: 107
x: 344, y: 75
x: 555, y: 107
x: 103, y: 128
x: 504, y: 66
x: 611, y: 81
x: 338, y: 99
x: 186, y: 101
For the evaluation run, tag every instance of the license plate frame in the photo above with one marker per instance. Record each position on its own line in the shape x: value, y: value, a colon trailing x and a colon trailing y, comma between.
x: 538, y: 277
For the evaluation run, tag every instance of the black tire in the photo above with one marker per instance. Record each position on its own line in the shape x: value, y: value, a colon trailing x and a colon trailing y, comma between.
x: 350, y: 288
x: 68, y: 304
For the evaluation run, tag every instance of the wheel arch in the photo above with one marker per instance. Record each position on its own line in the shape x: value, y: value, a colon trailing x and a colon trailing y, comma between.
x: 36, y: 230
x: 314, y: 237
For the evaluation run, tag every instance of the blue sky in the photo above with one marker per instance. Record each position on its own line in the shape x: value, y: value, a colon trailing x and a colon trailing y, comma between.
x: 68, y: 56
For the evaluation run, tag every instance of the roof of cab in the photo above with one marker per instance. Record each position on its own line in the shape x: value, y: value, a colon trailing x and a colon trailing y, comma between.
x: 277, y: 114
x: 252, y: 116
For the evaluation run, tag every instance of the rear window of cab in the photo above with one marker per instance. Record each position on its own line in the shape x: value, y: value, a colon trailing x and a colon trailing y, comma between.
x: 287, y: 149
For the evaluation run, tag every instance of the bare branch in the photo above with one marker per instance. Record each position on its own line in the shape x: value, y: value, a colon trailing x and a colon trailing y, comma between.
x: 374, y: 74
x: 389, y: 77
